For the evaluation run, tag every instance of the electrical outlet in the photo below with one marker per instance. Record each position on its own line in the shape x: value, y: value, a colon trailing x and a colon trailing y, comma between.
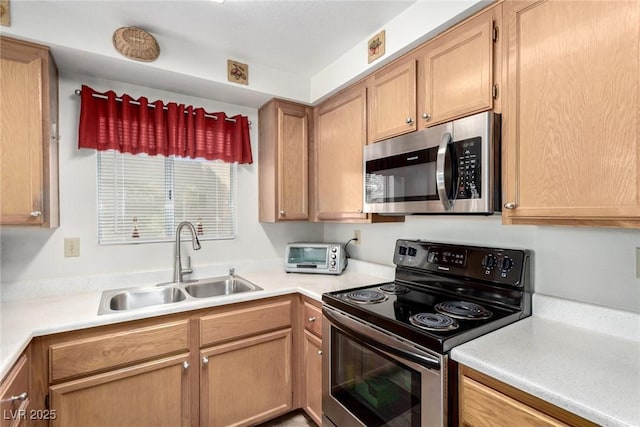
x: 638, y: 263
x: 71, y: 247
x: 358, y: 236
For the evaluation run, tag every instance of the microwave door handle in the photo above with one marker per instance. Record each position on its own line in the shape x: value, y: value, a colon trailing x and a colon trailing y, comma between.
x: 440, y: 165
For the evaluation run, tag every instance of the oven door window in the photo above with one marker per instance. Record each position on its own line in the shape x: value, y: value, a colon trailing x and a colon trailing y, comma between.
x: 373, y: 386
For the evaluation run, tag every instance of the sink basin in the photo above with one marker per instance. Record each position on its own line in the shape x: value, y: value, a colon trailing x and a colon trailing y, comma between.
x: 139, y: 298
x: 218, y: 286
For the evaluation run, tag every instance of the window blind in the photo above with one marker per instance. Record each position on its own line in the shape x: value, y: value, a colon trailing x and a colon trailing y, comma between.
x: 143, y: 198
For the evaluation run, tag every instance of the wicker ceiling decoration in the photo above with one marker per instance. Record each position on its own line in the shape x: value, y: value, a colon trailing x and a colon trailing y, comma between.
x: 135, y: 43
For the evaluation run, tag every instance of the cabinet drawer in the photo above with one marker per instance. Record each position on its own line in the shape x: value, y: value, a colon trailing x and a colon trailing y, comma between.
x: 14, y: 394
x: 484, y: 406
x: 313, y: 319
x: 244, y: 321
x: 99, y: 353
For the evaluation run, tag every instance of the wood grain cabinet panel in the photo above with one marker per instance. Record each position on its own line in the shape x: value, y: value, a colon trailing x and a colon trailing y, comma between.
x: 486, y: 402
x: 254, y: 318
x: 246, y: 381
x: 312, y: 318
x: 456, y: 71
x: 340, y: 125
x: 572, y: 130
x: 28, y: 134
x: 155, y: 393
x: 283, y: 168
x: 391, y: 101
x: 88, y: 355
x: 15, y: 395
x: 312, y: 401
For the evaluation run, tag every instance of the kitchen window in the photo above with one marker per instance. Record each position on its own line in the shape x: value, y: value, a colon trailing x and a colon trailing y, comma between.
x: 143, y: 198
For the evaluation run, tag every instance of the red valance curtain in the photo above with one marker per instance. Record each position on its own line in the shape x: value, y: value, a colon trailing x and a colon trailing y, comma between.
x: 109, y: 122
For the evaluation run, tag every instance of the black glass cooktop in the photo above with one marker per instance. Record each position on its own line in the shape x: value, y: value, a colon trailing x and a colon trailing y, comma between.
x: 392, y: 310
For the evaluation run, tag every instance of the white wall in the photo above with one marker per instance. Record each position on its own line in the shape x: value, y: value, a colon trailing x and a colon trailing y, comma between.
x: 32, y: 255
x: 592, y: 265
x: 417, y: 24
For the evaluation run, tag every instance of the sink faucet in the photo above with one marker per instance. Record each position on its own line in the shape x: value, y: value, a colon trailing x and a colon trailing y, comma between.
x: 178, y: 271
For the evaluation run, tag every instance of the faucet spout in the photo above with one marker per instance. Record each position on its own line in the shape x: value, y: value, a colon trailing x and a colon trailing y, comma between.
x: 178, y: 271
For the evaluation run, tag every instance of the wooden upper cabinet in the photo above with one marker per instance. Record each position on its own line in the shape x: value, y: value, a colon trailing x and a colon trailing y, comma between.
x: 283, y: 161
x: 572, y: 129
x: 341, y: 134
x: 455, y: 76
x: 391, y: 101
x: 28, y: 134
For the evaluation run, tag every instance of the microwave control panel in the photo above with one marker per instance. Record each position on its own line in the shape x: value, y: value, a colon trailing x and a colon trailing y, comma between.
x: 469, y: 157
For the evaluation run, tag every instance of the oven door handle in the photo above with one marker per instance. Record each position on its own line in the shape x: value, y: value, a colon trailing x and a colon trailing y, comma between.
x: 440, y: 172
x: 382, y: 340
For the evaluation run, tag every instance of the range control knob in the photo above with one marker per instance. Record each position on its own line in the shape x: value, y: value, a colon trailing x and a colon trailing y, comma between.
x: 402, y: 250
x: 489, y: 261
x: 431, y: 257
x: 506, y: 263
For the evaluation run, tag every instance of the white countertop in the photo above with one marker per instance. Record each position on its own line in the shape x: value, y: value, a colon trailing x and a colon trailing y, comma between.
x: 21, y: 320
x: 592, y: 371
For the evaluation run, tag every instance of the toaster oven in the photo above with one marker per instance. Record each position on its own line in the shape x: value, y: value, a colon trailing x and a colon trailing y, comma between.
x: 320, y: 258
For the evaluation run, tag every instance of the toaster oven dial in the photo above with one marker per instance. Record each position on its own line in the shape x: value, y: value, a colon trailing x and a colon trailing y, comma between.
x: 489, y: 261
x: 333, y: 263
x: 333, y: 256
x: 506, y: 264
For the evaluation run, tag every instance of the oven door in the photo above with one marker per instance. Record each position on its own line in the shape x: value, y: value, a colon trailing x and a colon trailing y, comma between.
x: 372, y: 378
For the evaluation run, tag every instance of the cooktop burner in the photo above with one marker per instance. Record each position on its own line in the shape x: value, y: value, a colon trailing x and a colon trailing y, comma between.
x: 394, y: 289
x: 433, y: 322
x: 463, y: 310
x: 366, y: 296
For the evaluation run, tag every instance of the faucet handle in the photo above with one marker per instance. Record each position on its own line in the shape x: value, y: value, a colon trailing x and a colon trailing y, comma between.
x: 232, y: 271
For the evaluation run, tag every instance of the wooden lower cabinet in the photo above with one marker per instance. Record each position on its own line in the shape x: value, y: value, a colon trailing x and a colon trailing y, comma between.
x: 485, y: 401
x: 232, y: 365
x: 311, y: 349
x: 15, y: 395
x: 156, y: 393
x: 247, y: 381
x: 312, y: 402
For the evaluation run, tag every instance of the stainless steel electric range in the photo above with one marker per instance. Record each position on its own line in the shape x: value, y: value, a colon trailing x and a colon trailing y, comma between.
x: 387, y: 345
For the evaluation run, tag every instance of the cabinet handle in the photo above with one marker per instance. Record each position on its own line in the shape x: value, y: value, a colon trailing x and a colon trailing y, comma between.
x: 319, y: 352
x: 409, y: 120
x: 35, y: 214
x: 510, y: 205
x: 21, y: 397
x: 205, y: 360
x: 283, y: 213
x: 311, y: 319
x: 426, y: 116
x: 185, y: 365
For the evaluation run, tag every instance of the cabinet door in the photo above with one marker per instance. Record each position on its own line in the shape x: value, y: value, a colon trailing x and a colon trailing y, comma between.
x: 246, y: 381
x: 572, y: 143
x: 340, y: 138
x: 151, y: 394
x: 28, y: 159
x: 391, y: 101
x: 293, y: 148
x: 15, y: 395
x: 456, y: 72
x: 283, y: 161
x: 313, y: 376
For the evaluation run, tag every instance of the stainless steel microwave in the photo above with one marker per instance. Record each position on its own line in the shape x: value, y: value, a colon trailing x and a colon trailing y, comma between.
x: 452, y: 168
x: 322, y: 258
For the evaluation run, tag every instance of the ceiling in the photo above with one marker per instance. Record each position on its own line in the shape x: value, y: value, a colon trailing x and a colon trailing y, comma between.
x: 299, y: 38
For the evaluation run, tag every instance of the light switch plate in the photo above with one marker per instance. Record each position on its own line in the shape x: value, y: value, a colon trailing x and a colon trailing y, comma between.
x: 72, y: 247
x: 357, y: 235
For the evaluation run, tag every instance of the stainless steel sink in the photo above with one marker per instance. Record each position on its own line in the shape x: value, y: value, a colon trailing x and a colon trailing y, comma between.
x: 132, y: 299
x: 119, y: 300
x: 218, y: 286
